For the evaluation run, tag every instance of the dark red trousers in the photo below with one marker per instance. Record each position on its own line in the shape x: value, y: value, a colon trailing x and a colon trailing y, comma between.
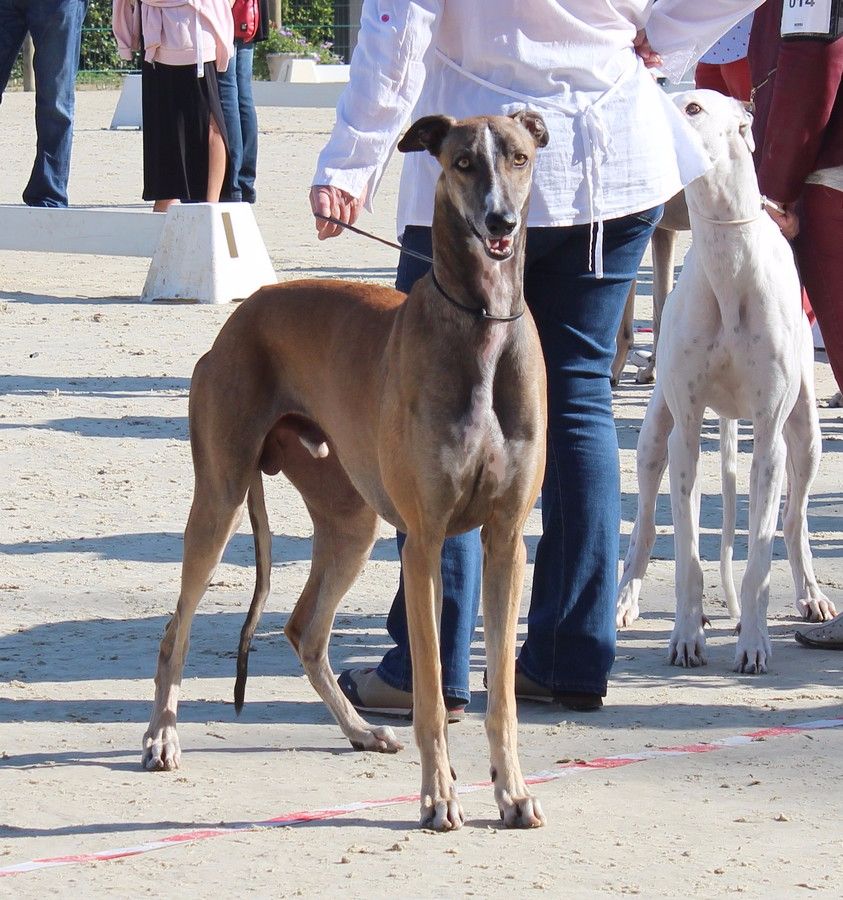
x: 819, y: 254
x: 732, y: 79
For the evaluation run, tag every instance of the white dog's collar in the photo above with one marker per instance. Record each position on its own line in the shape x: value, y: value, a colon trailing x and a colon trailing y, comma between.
x: 764, y: 203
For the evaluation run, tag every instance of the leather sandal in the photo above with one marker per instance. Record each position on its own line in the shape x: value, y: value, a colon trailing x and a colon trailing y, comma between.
x: 369, y: 693
x: 527, y: 689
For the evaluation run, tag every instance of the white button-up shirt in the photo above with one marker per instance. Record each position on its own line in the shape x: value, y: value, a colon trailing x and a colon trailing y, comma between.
x: 617, y: 143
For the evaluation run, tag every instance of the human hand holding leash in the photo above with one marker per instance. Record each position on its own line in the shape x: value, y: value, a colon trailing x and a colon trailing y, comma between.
x: 326, y: 200
x: 784, y: 216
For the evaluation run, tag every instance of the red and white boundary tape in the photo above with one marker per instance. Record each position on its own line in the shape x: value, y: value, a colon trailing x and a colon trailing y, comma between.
x: 301, y: 818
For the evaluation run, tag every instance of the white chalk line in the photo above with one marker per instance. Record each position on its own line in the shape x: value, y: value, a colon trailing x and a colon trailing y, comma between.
x: 303, y: 817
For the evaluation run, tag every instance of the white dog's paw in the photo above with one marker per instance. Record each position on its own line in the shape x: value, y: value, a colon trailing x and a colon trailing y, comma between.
x: 754, y: 651
x: 380, y: 739
x: 687, y: 645
x: 627, y: 609
x: 161, y: 750
x: 815, y: 609
x: 520, y: 812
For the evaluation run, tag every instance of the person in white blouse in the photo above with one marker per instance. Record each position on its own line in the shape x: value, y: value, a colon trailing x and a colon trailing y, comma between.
x: 618, y: 149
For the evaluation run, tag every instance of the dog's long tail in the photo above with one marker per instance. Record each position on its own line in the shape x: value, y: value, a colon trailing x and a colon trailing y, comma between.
x: 263, y: 566
x: 728, y: 474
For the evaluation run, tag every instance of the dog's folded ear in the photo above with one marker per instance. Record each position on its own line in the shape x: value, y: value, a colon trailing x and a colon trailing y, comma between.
x: 745, y: 128
x: 426, y: 134
x: 534, y: 123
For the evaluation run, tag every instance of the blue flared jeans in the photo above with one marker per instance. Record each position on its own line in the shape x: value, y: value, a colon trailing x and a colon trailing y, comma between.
x: 56, y: 29
x: 241, y: 121
x: 570, y: 644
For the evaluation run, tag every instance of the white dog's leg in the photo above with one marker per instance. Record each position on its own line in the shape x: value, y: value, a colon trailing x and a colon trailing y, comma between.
x: 687, y: 643
x: 728, y: 476
x: 754, y: 650
x: 651, y: 461
x: 803, y: 440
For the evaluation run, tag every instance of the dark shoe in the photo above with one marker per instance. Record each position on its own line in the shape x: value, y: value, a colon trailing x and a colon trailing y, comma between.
x: 527, y: 689
x: 369, y: 693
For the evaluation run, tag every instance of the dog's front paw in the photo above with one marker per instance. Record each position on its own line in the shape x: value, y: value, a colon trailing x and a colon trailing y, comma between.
x: 687, y: 645
x: 381, y: 739
x: 815, y: 609
x: 161, y: 750
x: 627, y: 609
x: 753, y: 651
x: 520, y: 812
x: 442, y: 814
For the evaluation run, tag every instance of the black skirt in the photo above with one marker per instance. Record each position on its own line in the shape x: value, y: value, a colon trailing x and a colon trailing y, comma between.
x: 177, y: 108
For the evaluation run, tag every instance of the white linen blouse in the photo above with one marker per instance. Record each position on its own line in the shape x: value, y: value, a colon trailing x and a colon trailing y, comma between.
x: 617, y: 143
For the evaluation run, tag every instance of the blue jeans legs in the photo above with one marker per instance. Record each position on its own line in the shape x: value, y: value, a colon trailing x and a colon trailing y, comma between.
x: 571, y: 631
x: 461, y: 580
x: 570, y: 641
x: 56, y: 29
x: 241, y: 121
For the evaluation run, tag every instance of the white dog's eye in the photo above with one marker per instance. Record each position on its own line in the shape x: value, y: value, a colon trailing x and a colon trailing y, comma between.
x: 693, y: 109
x: 520, y: 160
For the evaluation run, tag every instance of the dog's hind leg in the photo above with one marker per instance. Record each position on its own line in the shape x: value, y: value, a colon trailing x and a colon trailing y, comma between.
x: 803, y: 440
x: 504, y: 560
x: 344, y: 530
x: 663, y: 249
x: 214, y: 516
x: 626, y: 336
x: 728, y: 477
x: 651, y: 461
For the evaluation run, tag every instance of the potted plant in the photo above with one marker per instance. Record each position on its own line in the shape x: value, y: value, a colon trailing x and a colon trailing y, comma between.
x: 284, y: 44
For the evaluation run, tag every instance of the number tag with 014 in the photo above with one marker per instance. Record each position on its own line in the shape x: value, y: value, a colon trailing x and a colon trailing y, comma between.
x: 812, y: 19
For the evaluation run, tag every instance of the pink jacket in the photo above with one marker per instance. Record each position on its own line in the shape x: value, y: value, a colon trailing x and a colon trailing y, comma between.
x: 175, y: 32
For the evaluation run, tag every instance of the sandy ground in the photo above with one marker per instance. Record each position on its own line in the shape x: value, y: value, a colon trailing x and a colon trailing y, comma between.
x: 95, y: 492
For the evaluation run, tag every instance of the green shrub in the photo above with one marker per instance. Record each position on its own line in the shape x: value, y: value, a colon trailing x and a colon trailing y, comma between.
x: 99, y: 49
x: 312, y: 18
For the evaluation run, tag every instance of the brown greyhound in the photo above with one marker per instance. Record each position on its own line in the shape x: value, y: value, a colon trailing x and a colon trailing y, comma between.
x: 429, y: 411
x: 663, y: 248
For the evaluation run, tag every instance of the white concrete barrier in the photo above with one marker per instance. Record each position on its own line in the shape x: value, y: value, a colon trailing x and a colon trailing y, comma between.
x: 819, y: 341
x: 202, y: 252
x: 306, y: 85
x: 210, y: 253
x: 129, y: 110
x: 110, y: 232
x: 321, y: 95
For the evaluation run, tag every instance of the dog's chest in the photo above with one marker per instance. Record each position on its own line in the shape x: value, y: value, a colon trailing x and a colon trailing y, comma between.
x: 479, y: 453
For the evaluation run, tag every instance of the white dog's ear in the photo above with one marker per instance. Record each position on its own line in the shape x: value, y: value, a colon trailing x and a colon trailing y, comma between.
x: 745, y: 127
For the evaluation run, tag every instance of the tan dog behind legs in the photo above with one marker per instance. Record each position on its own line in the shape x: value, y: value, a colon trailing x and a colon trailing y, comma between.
x: 663, y: 251
x: 429, y: 412
x: 734, y: 339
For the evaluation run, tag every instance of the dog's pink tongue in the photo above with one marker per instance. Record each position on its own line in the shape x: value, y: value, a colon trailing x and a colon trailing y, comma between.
x: 501, y: 245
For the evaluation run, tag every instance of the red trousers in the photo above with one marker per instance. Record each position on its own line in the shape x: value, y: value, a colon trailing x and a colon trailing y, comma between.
x: 732, y: 79
x: 819, y: 255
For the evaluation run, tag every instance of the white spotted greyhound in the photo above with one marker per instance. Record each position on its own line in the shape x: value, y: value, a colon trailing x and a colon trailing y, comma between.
x: 733, y: 338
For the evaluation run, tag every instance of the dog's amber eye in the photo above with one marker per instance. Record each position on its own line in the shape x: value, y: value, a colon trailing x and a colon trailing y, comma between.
x: 463, y: 163
x: 693, y: 109
x: 520, y: 160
